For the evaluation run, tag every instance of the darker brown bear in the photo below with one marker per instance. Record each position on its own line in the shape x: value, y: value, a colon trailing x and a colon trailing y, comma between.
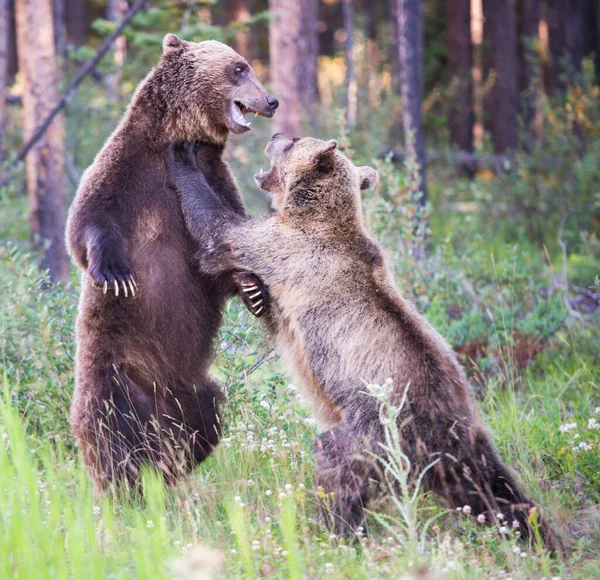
x: 340, y: 322
x: 147, y: 315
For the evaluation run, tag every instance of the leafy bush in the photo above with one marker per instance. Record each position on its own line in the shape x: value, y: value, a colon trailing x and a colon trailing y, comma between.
x: 37, y: 347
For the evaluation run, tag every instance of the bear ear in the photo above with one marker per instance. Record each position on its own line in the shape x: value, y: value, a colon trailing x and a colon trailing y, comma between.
x: 368, y: 177
x: 172, y: 42
x: 324, y: 155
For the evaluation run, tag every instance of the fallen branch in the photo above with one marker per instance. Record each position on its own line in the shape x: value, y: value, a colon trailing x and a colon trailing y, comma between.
x: 85, y: 70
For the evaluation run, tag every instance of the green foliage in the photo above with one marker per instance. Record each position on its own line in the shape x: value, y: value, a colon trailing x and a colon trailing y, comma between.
x: 37, y: 349
x: 569, y: 145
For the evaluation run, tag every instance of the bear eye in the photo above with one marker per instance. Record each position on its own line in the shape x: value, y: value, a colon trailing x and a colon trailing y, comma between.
x: 238, y: 70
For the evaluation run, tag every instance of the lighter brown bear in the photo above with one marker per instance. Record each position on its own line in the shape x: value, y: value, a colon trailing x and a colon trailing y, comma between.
x: 340, y: 321
x: 148, y: 316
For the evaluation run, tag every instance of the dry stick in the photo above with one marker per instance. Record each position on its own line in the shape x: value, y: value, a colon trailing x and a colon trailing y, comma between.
x: 85, y: 70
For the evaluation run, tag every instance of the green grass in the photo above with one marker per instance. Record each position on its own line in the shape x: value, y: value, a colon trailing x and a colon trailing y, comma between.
x: 250, y: 510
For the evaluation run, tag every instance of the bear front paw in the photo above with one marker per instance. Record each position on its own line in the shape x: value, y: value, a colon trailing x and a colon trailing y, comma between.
x: 113, y: 275
x: 253, y: 292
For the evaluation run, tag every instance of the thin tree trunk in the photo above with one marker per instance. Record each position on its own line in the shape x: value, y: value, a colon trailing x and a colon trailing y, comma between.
x: 558, y: 14
x: 460, y: 64
x: 394, y: 47
x: 308, y: 49
x: 115, y: 11
x: 293, y: 49
x: 76, y: 22
x: 4, y: 24
x: 60, y: 30
x: 410, y: 36
x: 373, y: 54
x: 37, y: 65
x: 237, y: 11
x: 499, y: 32
x: 284, y: 30
x: 351, y: 87
x: 529, y: 22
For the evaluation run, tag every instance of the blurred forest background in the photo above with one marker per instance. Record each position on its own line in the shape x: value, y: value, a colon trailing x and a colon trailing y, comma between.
x: 483, y: 119
x: 504, y: 90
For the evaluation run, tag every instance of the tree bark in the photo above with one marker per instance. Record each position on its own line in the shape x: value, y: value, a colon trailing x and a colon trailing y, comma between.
x: 236, y: 11
x: 308, y: 48
x: 37, y: 65
x: 115, y: 11
x: 4, y: 26
x: 293, y: 61
x: 394, y: 47
x: 76, y: 22
x: 460, y: 64
x: 373, y: 16
x: 60, y: 30
x: 410, y: 45
x: 501, y: 104
x: 351, y: 88
x: 558, y: 13
x: 529, y: 22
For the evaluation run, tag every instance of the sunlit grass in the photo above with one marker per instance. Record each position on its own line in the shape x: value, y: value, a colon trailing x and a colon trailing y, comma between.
x: 251, y: 510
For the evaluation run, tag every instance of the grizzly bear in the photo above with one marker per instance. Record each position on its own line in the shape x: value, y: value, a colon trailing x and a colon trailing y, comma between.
x: 341, y: 322
x: 148, y: 316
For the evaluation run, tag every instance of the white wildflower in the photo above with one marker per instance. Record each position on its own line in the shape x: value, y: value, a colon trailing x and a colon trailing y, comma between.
x: 481, y: 518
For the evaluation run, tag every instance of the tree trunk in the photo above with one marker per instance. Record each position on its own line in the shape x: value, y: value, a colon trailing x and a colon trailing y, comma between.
x: 234, y: 12
x: 373, y: 53
x: 460, y: 63
x: 60, y: 30
x: 558, y: 13
x: 394, y: 47
x: 351, y: 88
x: 76, y: 22
x: 410, y: 45
x: 308, y: 48
x: 13, y: 65
x: 4, y: 22
x: 44, y: 164
x: 591, y: 32
x: 115, y: 11
x: 293, y: 61
x: 529, y: 22
x: 499, y: 32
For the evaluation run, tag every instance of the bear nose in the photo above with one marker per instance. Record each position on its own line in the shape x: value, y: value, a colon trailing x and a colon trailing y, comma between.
x: 272, y: 102
x: 276, y: 136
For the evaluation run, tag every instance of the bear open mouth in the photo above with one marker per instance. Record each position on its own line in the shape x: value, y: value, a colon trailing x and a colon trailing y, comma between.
x: 261, y: 177
x: 238, y: 110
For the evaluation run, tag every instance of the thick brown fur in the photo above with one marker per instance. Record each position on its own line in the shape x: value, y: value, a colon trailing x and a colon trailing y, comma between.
x: 340, y: 321
x: 147, y: 315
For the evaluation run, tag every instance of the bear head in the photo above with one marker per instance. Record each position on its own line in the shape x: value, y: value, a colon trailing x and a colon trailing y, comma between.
x: 204, y: 89
x: 310, y: 176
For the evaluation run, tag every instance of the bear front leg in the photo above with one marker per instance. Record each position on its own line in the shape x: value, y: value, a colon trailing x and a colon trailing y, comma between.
x: 206, y: 217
